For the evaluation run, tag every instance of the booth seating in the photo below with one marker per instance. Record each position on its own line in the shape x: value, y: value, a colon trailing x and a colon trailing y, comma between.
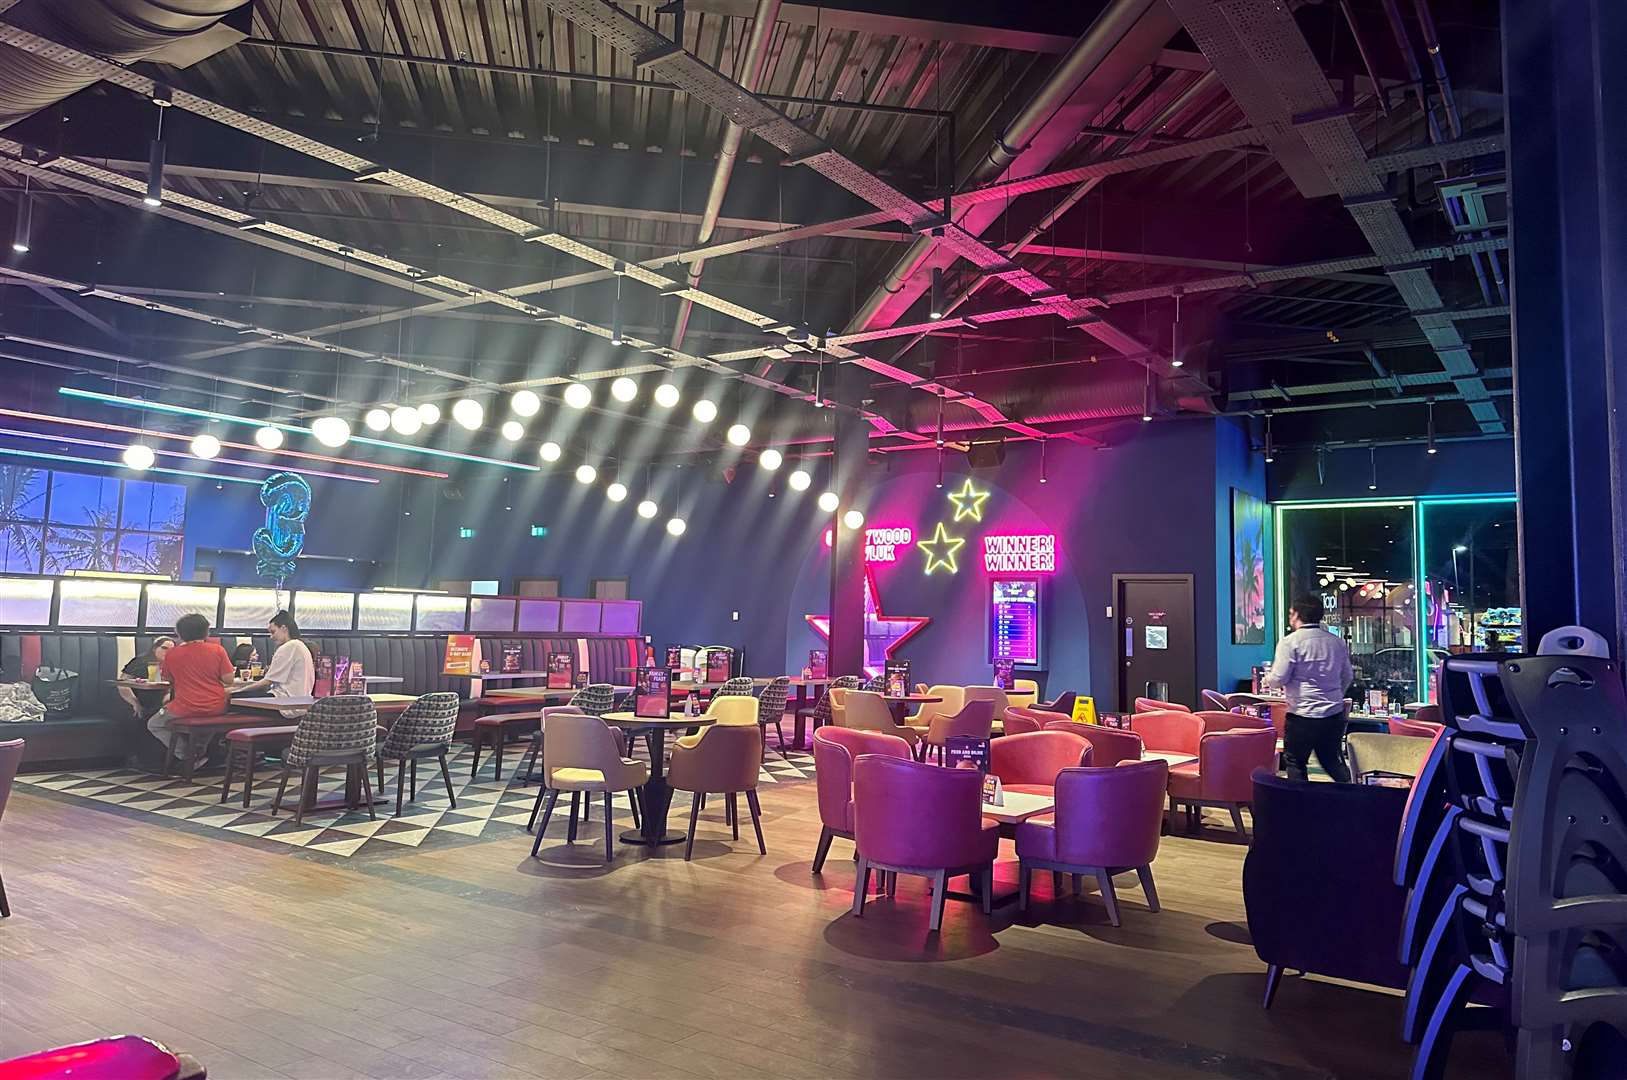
x: 99, y: 727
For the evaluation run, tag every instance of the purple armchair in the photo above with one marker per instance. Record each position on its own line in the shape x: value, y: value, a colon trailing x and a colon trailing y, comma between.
x: 1172, y: 731
x: 1223, y: 774
x: 975, y: 718
x: 11, y: 756
x: 1107, y: 822
x: 1147, y: 704
x: 1019, y: 720
x: 1216, y: 720
x: 1031, y: 761
x: 1108, y: 746
x: 914, y: 818
x: 834, y: 749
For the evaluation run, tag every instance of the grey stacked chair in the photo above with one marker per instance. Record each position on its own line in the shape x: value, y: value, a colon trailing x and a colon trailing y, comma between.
x: 339, y: 730
x: 822, y: 714
x: 771, y: 710
x: 424, y: 731
x: 736, y: 687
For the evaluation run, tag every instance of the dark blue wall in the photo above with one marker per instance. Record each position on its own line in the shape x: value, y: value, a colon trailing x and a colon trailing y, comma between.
x: 1482, y: 467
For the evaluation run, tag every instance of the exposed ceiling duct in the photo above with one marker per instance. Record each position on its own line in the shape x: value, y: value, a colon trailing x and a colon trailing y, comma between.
x: 175, y: 32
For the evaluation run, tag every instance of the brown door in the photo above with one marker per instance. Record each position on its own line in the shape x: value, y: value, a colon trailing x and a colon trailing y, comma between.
x: 1157, y: 648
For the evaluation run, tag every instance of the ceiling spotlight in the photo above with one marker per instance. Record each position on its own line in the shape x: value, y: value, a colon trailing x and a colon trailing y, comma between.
x: 738, y: 435
x: 429, y: 413
x: 676, y: 526
x: 828, y: 502
x: 512, y: 430
x: 525, y: 402
x: 853, y: 519
x: 578, y: 396
x: 705, y: 411
x: 666, y: 395
x: 616, y: 492
x: 331, y: 431
x: 549, y: 451
x: 624, y: 389
x: 799, y: 480
x: 469, y: 413
x: 935, y: 312
x: 205, y: 446
x: 770, y: 459
x: 138, y: 456
x: 25, y: 221
x: 268, y: 438
x: 406, y: 421
x: 377, y: 420
x: 586, y: 474
x: 647, y: 509
x: 154, y: 197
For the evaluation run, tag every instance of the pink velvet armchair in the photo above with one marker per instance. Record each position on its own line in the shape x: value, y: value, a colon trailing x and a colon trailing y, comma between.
x: 1108, y: 746
x: 1226, y: 720
x: 834, y: 749
x: 1019, y: 719
x: 1030, y: 762
x: 1147, y: 704
x: 1107, y: 822
x: 1423, y: 729
x: 1223, y: 774
x: 1172, y: 731
x: 914, y: 818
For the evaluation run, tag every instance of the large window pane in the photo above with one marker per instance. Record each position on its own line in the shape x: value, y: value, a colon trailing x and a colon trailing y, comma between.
x: 1359, y: 560
x: 81, y: 499
x: 1471, y: 578
x: 150, y: 506
x: 22, y: 493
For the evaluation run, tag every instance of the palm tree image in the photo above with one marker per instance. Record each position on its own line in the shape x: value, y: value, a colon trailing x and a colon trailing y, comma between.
x: 90, y: 546
x: 22, y: 509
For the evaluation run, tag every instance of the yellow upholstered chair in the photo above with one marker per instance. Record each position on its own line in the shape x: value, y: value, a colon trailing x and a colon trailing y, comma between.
x: 1023, y: 694
x: 953, y: 698
x: 867, y: 711
x: 998, y: 696
x: 583, y: 755
x: 837, y: 695
x: 733, y: 711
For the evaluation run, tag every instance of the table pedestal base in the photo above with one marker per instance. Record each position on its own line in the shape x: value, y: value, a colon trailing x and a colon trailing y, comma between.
x: 636, y: 836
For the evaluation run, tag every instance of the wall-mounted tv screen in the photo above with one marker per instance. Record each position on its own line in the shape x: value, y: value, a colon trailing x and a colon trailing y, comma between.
x: 1014, y: 621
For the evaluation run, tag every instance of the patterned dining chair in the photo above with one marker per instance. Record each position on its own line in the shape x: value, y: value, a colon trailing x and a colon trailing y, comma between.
x: 822, y: 715
x: 340, y: 730
x: 771, y: 710
x: 877, y: 685
x: 595, y: 699
x: 740, y: 686
x: 424, y: 731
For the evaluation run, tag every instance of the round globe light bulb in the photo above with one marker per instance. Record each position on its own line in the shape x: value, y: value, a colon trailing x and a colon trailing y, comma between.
x: 799, y: 480
x: 205, y: 446
x: 828, y: 502
x: 586, y: 474
x: 704, y: 411
x: 738, y: 435
x: 525, y: 402
x: 429, y: 413
x: 676, y: 526
x: 771, y: 459
x: 616, y: 492
x: 406, y: 421
x: 139, y: 456
x: 624, y: 389
x: 578, y: 396
x: 512, y: 430
x: 647, y: 509
x: 549, y: 451
x: 468, y: 413
x: 853, y: 519
x: 331, y: 431
x: 666, y: 395
x: 268, y: 438
x: 377, y: 420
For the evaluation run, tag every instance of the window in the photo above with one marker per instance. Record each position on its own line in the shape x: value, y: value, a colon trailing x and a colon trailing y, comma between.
x: 1471, y: 578
x: 52, y: 522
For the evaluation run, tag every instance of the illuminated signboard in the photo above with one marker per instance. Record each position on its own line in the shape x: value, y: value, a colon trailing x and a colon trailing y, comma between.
x: 881, y: 545
x: 1014, y: 620
x: 1019, y: 554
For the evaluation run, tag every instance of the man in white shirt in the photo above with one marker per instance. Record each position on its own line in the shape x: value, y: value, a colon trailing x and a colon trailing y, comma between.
x: 1313, y: 668
x: 292, y: 671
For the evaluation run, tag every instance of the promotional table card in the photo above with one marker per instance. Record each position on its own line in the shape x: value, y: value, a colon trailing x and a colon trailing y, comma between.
x: 511, y: 659
x: 652, y: 693
x: 898, y: 677
x: 993, y: 793
x: 966, y: 752
x: 675, y: 657
x: 356, y: 678
x: 719, y: 664
x: 561, y: 670
x: 323, y: 686
x: 462, y: 655
x: 1003, y: 678
x: 818, y: 664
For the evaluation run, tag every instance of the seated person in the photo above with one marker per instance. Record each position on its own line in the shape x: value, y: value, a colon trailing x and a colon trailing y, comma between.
x: 146, y: 702
x: 198, y: 672
x: 292, y: 671
x: 243, y: 656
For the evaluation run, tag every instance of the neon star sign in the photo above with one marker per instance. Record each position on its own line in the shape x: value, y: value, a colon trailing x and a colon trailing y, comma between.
x: 941, y: 549
x: 968, y: 502
x: 1019, y: 554
x: 882, y: 634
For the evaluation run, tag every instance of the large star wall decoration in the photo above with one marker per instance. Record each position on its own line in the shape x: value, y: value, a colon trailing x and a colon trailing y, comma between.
x: 883, y: 634
x: 940, y: 550
x: 968, y: 502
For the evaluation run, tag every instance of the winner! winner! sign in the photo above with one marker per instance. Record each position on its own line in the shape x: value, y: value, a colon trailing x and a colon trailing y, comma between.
x: 1019, y: 554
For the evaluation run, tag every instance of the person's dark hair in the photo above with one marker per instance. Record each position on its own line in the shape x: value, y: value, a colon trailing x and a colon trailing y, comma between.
x: 1308, y: 607
x: 159, y: 642
x: 243, y: 653
x: 286, y: 621
x: 192, y: 627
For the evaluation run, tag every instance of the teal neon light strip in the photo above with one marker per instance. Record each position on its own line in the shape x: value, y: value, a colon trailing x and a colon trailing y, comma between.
x: 120, y: 465
x: 205, y: 414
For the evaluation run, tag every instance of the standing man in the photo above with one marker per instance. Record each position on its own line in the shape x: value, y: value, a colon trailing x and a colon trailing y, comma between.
x: 198, y: 672
x: 292, y: 671
x: 1313, y: 668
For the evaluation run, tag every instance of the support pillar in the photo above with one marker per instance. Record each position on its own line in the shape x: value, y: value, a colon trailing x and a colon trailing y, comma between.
x: 850, y: 449
x: 1566, y: 91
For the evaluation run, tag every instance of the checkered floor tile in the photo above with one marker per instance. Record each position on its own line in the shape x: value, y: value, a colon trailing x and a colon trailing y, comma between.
x: 486, y: 808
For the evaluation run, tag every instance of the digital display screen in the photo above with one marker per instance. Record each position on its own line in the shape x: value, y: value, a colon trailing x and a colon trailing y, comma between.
x: 1014, y: 620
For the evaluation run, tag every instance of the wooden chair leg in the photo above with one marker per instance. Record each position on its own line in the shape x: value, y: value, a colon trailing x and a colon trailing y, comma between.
x: 5, y: 907
x: 940, y: 881
x: 446, y: 778
x: 367, y: 789
x: 474, y: 763
x: 694, y: 817
x: 378, y: 759
x: 587, y: 808
x: 412, y: 780
x: 307, y: 793
x: 825, y: 837
x: 497, y: 757
x: 253, y: 759
x: 570, y: 837
x: 1104, y: 882
x: 276, y: 804
x: 861, y: 886
x: 891, y: 888
x: 609, y: 847
x: 1025, y: 878
x: 553, y: 797
x: 756, y: 820
x: 400, y: 782
x: 734, y: 814
x: 1237, y: 819
x: 638, y: 815
x: 226, y: 781
x: 536, y: 808
x: 1145, y: 874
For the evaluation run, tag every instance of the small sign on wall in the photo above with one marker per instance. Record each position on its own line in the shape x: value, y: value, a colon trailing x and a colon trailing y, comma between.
x: 1157, y: 637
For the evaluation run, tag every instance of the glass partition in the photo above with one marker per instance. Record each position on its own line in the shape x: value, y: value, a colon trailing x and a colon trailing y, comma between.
x: 1471, y: 578
x: 166, y: 603
x: 249, y: 609
x: 493, y: 614
x: 1359, y: 558
x: 384, y: 611
x: 439, y: 613
x: 315, y: 610
x: 25, y: 601
x: 98, y: 602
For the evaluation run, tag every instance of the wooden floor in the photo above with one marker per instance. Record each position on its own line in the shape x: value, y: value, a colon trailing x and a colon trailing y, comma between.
x: 477, y: 961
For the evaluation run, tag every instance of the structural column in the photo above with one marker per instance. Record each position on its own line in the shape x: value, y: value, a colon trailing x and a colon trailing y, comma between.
x: 1566, y: 89
x: 850, y: 448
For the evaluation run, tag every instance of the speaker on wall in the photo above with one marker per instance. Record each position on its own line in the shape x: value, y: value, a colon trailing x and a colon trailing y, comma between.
x: 986, y: 455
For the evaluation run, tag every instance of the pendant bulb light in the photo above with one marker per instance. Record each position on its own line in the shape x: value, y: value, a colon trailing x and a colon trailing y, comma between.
x: 1042, y: 448
x: 936, y: 311
x: 615, y: 315
x: 940, y: 421
x: 1146, y: 400
x: 25, y: 220
x: 155, y: 170
x: 1372, y: 468
x: 1431, y: 449
x: 939, y: 484
x: 1175, y: 360
x: 1270, y: 451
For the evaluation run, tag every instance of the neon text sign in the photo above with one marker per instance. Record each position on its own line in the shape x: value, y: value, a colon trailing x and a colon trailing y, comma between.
x: 881, y: 545
x: 1011, y: 554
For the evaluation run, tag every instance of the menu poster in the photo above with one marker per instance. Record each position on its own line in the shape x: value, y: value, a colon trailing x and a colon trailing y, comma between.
x: 1115, y: 720
x: 966, y: 752
x: 1014, y: 620
x: 462, y: 655
x: 511, y: 659
x: 355, y: 678
x: 652, y: 693
x: 561, y: 670
x: 675, y: 657
x: 1084, y: 709
x: 818, y: 664
x: 897, y: 673
x: 341, y: 675
x: 1003, y: 678
x: 323, y: 686
x: 719, y: 665
x: 581, y: 680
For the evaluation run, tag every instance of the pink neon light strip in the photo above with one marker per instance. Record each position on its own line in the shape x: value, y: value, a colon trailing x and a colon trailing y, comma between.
x: 71, y: 441
x: 255, y: 449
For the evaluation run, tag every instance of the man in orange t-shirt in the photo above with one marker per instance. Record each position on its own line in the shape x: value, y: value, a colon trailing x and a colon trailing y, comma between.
x: 198, y: 672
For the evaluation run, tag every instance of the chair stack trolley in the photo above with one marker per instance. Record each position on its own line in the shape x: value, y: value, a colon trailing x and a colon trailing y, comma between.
x: 1513, y: 852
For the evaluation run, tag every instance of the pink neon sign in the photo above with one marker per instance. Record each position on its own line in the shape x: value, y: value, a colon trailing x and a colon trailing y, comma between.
x: 1014, y: 554
x: 881, y: 545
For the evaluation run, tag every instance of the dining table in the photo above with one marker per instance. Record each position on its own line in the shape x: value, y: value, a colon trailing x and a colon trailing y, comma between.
x: 393, y: 703
x: 656, y: 794
x: 802, y: 706
x: 900, y: 703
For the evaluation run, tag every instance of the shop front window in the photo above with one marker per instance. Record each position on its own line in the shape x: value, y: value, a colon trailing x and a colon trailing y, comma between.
x: 1471, y: 578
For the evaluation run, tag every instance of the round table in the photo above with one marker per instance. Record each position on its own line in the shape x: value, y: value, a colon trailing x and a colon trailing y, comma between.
x: 656, y: 794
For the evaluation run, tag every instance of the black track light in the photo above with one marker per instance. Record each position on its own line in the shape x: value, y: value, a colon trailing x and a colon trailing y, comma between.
x: 937, y: 294
x: 25, y: 221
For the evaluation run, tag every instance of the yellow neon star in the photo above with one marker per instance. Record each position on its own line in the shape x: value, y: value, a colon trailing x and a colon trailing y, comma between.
x: 940, y: 550
x: 968, y: 501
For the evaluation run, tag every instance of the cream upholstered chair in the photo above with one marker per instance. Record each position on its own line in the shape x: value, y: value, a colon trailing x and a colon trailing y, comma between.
x: 582, y: 755
x: 1386, y: 755
x: 1023, y: 694
x: 953, y: 698
x: 990, y: 693
x: 732, y: 711
x: 837, y: 696
x: 868, y: 711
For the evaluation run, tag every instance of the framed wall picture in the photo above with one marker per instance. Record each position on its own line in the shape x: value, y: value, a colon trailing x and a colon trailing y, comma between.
x: 1248, y: 568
